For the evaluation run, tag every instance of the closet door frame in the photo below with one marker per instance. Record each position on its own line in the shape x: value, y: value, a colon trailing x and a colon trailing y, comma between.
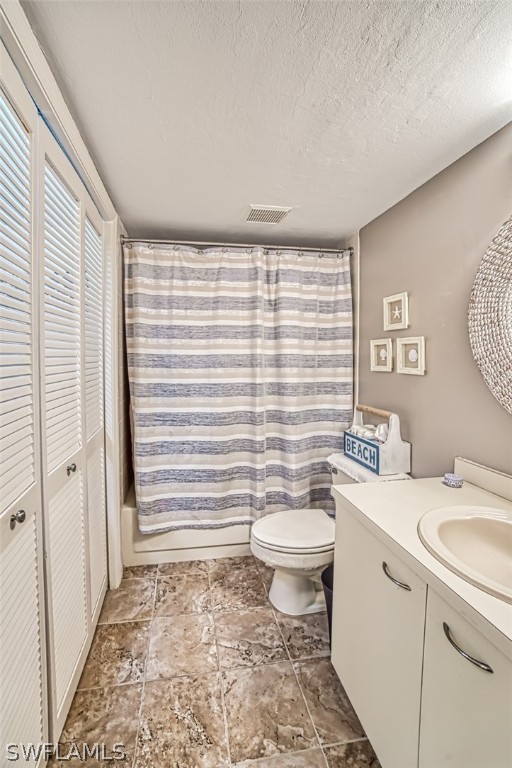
x: 97, y: 441
x: 20, y: 53
x: 52, y: 481
x: 31, y: 501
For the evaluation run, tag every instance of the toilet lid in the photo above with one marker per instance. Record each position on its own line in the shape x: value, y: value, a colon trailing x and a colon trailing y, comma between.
x: 296, y: 529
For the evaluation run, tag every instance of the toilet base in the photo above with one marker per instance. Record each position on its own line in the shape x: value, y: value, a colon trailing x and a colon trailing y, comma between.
x: 297, y: 594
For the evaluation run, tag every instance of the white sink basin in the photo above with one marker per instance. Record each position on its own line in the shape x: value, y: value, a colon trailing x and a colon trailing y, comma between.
x: 475, y: 543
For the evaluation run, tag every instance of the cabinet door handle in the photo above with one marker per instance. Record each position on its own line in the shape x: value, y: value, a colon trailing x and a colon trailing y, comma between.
x: 18, y: 517
x: 398, y: 583
x: 70, y: 469
x: 476, y: 662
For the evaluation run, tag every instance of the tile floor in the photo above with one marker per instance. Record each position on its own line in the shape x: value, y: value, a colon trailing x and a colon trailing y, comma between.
x: 191, y: 667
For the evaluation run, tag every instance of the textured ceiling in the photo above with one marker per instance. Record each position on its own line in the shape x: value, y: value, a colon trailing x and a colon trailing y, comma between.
x: 192, y: 110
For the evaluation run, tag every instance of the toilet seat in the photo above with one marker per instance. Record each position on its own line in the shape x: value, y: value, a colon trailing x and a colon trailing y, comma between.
x: 299, y: 531
x: 293, y: 550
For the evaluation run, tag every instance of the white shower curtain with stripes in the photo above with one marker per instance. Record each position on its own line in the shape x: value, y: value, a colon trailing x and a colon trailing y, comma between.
x: 240, y: 370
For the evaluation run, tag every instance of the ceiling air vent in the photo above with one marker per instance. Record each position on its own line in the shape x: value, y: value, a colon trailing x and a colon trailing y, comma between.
x: 267, y: 214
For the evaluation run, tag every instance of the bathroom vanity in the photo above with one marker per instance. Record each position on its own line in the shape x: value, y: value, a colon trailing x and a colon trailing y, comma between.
x: 425, y: 656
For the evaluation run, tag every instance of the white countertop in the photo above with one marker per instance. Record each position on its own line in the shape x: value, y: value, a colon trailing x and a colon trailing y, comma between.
x: 391, y: 511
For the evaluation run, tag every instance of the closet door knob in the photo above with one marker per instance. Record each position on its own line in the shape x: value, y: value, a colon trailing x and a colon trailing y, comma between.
x: 70, y: 469
x: 18, y: 517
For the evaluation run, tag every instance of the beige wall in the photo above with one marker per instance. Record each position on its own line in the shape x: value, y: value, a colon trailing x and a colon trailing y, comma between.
x: 430, y: 245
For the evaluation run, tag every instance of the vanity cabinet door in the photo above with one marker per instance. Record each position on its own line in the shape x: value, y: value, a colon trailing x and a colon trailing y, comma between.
x: 466, y: 710
x: 377, y: 645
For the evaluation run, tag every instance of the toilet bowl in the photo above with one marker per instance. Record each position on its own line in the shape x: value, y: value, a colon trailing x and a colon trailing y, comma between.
x: 299, y: 545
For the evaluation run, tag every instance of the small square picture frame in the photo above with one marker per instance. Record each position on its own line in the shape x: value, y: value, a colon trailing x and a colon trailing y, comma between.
x: 396, y: 312
x: 381, y: 355
x: 410, y: 355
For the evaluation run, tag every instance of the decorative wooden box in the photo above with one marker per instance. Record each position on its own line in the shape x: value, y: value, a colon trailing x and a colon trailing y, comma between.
x: 388, y: 458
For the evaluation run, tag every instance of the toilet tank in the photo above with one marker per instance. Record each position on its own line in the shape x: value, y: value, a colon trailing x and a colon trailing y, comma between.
x: 340, y: 478
x: 341, y: 464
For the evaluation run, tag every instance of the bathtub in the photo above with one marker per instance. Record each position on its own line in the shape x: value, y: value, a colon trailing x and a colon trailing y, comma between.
x: 175, y: 546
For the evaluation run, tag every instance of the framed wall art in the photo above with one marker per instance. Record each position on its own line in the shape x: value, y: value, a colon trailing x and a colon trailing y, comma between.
x: 381, y: 355
x: 396, y: 312
x: 410, y: 355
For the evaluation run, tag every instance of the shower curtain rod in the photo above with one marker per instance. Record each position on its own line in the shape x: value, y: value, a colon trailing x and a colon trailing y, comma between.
x: 236, y: 245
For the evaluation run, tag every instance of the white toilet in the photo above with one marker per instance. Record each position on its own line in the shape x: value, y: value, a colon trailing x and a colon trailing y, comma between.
x: 299, y: 545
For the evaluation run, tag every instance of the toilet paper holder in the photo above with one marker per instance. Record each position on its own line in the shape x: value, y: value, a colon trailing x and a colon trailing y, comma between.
x: 384, y: 458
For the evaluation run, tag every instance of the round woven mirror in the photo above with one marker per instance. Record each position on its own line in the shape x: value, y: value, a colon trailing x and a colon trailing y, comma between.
x: 490, y: 317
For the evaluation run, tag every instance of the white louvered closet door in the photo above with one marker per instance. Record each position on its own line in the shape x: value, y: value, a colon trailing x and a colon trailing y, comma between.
x: 63, y: 421
x: 23, y: 709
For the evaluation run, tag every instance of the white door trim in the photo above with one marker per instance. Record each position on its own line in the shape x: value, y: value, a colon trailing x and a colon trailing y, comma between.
x: 112, y: 329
